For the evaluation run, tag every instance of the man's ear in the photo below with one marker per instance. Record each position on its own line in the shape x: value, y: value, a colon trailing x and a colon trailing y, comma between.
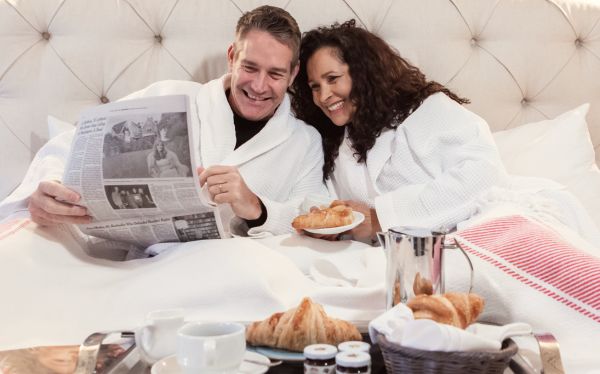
x: 230, y: 56
x: 294, y: 73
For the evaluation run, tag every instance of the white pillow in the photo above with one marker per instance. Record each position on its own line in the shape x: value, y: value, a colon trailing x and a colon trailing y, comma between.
x: 559, y: 149
x: 57, y: 126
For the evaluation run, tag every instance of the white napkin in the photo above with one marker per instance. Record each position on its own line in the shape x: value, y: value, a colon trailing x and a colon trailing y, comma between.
x: 399, y: 327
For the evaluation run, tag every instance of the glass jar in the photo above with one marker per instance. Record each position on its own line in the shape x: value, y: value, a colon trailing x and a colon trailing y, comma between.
x: 353, y: 362
x: 319, y: 359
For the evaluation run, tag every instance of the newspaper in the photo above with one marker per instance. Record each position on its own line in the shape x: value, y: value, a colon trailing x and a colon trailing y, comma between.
x: 133, y: 163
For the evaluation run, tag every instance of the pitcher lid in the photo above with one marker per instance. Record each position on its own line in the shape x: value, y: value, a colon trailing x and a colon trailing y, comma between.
x: 414, y: 231
x: 420, y: 232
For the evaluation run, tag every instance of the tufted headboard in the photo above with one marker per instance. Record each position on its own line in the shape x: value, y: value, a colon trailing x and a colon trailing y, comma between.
x: 517, y: 60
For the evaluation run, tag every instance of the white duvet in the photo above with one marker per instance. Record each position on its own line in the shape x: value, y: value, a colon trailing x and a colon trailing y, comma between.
x: 53, y: 293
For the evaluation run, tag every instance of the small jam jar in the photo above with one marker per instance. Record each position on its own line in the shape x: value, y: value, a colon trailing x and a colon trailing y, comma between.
x: 353, y: 362
x: 319, y: 359
x: 354, y: 346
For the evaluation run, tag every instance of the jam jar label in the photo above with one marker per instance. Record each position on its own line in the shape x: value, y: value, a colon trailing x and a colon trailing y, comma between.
x: 311, y: 369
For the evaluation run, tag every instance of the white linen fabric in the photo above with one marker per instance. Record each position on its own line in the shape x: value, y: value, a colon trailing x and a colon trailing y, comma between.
x: 440, y: 167
x: 559, y: 149
x: 59, y: 295
x: 283, y: 138
x: 399, y: 326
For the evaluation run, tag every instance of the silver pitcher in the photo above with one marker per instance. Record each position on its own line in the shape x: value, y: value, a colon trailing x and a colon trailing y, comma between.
x: 415, y: 262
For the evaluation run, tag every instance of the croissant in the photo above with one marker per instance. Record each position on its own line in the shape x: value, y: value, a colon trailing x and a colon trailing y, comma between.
x: 456, y: 309
x: 298, y: 327
x: 422, y: 285
x: 337, y: 214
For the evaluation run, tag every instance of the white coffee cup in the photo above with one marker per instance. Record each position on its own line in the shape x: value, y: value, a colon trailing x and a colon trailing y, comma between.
x: 211, y: 347
x: 158, y: 337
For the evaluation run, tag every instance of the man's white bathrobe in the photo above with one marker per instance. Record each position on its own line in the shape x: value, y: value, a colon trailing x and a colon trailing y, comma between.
x: 439, y: 168
x: 281, y: 164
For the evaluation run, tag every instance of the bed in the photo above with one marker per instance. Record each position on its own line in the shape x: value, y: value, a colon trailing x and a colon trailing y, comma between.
x: 529, y: 68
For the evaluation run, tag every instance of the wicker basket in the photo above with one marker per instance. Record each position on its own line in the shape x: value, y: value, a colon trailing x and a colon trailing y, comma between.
x: 406, y: 360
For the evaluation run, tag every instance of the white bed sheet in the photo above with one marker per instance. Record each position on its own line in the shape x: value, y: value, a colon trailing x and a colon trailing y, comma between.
x: 53, y: 293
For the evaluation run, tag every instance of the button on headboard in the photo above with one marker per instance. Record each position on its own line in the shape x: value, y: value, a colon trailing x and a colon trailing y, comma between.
x: 518, y: 61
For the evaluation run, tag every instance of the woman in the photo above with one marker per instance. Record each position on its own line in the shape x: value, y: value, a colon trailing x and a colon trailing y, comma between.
x: 163, y: 163
x: 400, y: 148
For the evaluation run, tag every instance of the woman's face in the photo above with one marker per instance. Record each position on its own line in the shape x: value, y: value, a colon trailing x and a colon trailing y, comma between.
x: 159, y: 147
x: 330, y: 83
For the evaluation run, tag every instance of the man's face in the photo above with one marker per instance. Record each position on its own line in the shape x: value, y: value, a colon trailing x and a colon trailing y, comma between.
x: 260, y: 74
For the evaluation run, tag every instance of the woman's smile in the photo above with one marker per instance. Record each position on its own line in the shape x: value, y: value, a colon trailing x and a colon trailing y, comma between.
x: 331, y: 84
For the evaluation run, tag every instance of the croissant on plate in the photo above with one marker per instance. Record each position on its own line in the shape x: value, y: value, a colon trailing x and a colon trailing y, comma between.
x: 301, y: 326
x: 456, y: 309
x: 336, y: 215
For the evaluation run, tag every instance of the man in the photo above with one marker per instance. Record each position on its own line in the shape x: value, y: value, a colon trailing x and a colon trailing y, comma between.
x: 255, y: 156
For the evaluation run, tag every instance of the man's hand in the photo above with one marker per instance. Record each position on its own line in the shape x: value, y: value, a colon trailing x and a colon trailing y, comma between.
x: 52, y: 204
x: 226, y: 185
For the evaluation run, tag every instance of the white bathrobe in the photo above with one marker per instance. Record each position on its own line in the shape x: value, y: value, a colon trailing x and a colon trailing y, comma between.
x: 428, y: 172
x: 439, y: 168
x: 281, y: 164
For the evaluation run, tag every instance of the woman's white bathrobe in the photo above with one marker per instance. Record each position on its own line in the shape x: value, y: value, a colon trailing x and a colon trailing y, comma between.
x: 437, y: 168
x: 281, y: 164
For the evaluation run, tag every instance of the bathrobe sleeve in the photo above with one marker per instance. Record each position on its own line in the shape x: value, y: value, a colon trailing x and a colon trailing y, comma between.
x: 448, y: 158
x: 308, y: 179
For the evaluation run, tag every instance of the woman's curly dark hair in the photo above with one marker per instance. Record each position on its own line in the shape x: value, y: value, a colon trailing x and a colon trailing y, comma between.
x: 385, y: 88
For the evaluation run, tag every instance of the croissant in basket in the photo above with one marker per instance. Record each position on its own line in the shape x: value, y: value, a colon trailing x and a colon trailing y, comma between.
x: 337, y: 214
x: 456, y: 309
x: 301, y: 326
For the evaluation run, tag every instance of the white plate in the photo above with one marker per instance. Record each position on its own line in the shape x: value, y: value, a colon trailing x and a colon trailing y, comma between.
x: 169, y: 365
x: 358, y: 218
x: 280, y: 354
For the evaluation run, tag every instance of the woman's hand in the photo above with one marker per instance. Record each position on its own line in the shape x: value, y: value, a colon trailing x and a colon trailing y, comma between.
x: 367, y: 230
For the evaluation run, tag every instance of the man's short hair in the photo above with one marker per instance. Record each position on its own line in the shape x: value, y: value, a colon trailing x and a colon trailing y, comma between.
x: 277, y: 22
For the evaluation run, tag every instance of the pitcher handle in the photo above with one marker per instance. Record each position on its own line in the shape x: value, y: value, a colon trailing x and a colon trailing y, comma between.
x: 469, y: 261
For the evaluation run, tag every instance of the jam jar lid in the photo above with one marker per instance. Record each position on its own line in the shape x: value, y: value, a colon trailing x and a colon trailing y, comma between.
x: 354, y: 346
x: 353, y: 359
x: 320, y: 351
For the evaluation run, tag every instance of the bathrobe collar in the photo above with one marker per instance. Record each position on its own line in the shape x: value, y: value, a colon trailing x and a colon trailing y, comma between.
x: 217, y: 131
x: 379, y: 155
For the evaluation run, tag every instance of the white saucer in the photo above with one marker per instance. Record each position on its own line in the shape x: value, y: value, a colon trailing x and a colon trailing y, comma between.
x: 358, y: 218
x: 169, y: 365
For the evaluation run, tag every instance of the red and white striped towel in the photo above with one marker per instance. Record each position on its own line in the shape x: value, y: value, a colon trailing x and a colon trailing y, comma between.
x: 530, y: 272
x: 540, y: 259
